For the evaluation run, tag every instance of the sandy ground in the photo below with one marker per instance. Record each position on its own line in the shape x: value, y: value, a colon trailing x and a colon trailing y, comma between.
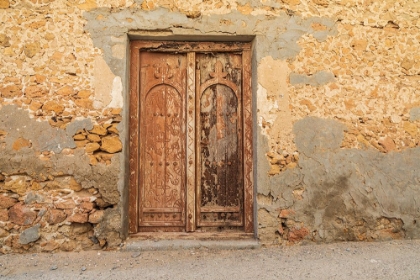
x: 379, y: 260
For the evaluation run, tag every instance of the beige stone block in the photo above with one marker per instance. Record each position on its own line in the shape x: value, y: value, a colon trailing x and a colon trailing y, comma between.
x: 113, y: 129
x: 74, y: 185
x: 49, y: 36
x: 8, y: 51
x: 411, y: 128
x: 66, y: 91
x: 88, y: 5
x: 84, y: 103
x: 84, y: 94
x: 31, y: 49
x: 245, y: 9
x: 116, y: 111
x: 106, y: 125
x: 10, y: 91
x: 94, y: 138
x: 275, y: 169
x: 407, y: 63
x: 52, y: 106
x: 40, y: 78
x: 93, y: 160
x: 99, y: 130
x: 308, y: 104
x: 79, y: 137
x: 18, y: 185
x: 103, y: 156
x: 361, y: 139
x: 35, y: 186
x: 291, y: 2
x: 35, y: 91
x: 81, y: 144
x: 37, y: 24
x: 359, y: 44
x: 4, y: 40
x: 111, y: 144
x: 92, y: 147
x: 4, y: 4
x: 322, y: 2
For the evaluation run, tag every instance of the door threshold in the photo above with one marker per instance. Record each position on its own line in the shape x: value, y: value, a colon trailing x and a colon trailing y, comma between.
x: 229, y: 235
x: 158, y: 241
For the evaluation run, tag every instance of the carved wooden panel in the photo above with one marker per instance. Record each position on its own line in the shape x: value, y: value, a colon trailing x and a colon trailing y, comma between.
x: 162, y: 140
x: 190, y: 137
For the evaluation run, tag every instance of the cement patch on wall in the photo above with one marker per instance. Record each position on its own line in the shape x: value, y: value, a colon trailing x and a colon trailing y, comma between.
x: 341, y: 194
x: 62, y: 189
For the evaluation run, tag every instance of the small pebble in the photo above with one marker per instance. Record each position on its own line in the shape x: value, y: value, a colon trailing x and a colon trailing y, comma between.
x: 83, y: 268
x: 135, y: 255
x: 54, y: 267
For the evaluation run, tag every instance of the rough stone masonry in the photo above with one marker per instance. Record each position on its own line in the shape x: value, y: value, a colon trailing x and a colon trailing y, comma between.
x: 336, y: 88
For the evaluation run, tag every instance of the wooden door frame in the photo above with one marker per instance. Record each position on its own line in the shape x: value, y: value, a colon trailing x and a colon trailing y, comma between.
x: 134, y: 116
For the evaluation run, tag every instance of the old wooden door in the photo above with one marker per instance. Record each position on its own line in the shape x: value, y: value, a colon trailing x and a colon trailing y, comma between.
x: 190, y: 137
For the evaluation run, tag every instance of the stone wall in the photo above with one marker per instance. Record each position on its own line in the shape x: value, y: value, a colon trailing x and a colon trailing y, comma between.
x: 337, y: 115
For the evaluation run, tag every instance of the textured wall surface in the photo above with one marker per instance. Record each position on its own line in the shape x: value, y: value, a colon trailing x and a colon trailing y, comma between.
x: 336, y: 86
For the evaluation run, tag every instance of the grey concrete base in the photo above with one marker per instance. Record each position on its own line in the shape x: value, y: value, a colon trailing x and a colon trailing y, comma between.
x: 158, y: 245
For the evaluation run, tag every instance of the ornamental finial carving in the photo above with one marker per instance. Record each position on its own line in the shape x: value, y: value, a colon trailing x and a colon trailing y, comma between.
x: 218, y: 71
x: 163, y: 71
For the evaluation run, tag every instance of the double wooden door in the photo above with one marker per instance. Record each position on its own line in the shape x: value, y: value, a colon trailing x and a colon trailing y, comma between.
x: 190, y: 137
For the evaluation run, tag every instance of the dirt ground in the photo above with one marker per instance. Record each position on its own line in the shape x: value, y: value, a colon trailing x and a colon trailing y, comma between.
x: 379, y: 260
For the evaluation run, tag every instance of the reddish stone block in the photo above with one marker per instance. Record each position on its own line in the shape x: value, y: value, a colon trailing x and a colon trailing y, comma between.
x: 87, y: 206
x: 78, y: 218
x: 4, y: 215
x: 96, y: 216
x: 21, y: 215
x: 297, y: 234
x: 56, y: 216
x: 68, y: 204
x: 7, y: 201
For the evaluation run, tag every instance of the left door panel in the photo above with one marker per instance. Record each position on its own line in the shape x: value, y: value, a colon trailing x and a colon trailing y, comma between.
x: 162, y: 141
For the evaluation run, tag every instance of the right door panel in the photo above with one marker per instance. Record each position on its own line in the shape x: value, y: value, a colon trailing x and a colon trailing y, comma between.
x: 219, y: 163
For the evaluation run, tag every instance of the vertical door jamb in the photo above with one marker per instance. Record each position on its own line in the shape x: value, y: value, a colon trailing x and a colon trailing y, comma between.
x: 247, y: 141
x: 134, y: 154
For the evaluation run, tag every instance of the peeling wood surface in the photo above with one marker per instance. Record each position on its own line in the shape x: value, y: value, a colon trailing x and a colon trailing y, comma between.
x: 187, y: 138
x: 220, y: 196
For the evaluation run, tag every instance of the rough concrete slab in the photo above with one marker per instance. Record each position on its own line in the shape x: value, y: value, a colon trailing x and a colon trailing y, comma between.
x: 159, y: 245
